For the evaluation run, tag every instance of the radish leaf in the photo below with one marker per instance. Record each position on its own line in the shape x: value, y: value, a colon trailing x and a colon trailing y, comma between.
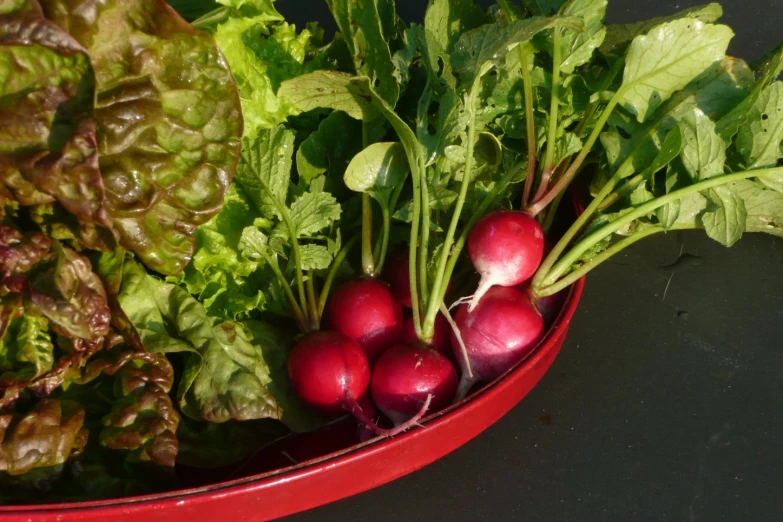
x: 577, y: 47
x: 724, y: 220
x: 619, y: 35
x: 360, y: 24
x: 377, y: 169
x: 760, y: 138
x: 667, y: 59
x: 703, y: 151
x: 331, y: 90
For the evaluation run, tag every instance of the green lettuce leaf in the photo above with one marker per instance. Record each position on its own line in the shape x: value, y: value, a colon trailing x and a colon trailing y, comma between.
x: 225, y: 376
x: 44, y: 437
x: 168, y: 125
x: 48, y: 150
x: 143, y: 420
x: 26, y: 349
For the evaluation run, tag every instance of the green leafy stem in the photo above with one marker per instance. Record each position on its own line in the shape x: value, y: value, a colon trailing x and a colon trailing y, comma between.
x: 303, y: 310
x: 547, y: 282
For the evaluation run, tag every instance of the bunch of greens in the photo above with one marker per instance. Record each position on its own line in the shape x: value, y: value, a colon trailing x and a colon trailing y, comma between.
x: 435, y: 125
x: 120, y: 131
x: 489, y: 99
x: 148, y: 296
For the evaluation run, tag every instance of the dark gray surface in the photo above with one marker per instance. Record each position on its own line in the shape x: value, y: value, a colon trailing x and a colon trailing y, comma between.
x: 666, y: 402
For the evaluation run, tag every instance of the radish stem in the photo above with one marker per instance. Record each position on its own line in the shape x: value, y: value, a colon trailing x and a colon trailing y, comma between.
x: 338, y: 260
x: 294, y: 243
x: 569, y: 174
x: 610, y: 228
x: 438, y: 283
x: 368, y: 264
x: 298, y: 315
x: 527, y: 90
x: 312, y: 306
x: 600, y: 258
x: 380, y: 258
x: 554, y: 105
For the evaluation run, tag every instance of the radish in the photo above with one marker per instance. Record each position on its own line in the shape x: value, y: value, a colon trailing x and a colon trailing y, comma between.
x: 398, y: 277
x: 330, y: 372
x: 366, y: 432
x: 365, y: 310
x: 406, y: 375
x: 506, y: 248
x: 440, y: 337
x: 498, y: 333
x: 548, y: 306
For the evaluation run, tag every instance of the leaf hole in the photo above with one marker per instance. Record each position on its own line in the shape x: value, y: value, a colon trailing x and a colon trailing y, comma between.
x: 441, y: 66
x: 765, y: 116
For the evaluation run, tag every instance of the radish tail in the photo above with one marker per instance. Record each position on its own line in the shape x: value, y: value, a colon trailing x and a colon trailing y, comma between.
x: 366, y: 432
x: 484, y: 285
x: 458, y: 335
x: 461, y: 300
x: 357, y: 411
x: 465, y: 384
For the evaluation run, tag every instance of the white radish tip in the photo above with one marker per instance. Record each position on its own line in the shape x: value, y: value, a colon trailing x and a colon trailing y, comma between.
x: 484, y: 285
x: 460, y: 301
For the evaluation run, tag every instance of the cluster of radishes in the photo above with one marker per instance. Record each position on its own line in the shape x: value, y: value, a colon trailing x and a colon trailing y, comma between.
x: 369, y: 345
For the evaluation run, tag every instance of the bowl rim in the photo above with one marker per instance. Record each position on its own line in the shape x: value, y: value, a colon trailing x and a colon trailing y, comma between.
x: 227, y: 488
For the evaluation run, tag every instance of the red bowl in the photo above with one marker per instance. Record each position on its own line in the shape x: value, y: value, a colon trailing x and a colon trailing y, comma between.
x: 329, y: 464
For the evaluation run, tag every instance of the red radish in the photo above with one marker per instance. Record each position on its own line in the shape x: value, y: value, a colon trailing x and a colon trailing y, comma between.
x: 365, y: 310
x: 330, y: 372
x: 406, y: 375
x: 398, y: 276
x: 440, y: 337
x: 366, y: 432
x: 548, y: 306
x: 506, y: 247
x: 498, y: 333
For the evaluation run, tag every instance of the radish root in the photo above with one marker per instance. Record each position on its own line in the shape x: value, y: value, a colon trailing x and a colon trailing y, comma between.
x: 458, y: 335
x: 461, y: 300
x: 465, y: 384
x: 485, y: 284
x: 361, y: 416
